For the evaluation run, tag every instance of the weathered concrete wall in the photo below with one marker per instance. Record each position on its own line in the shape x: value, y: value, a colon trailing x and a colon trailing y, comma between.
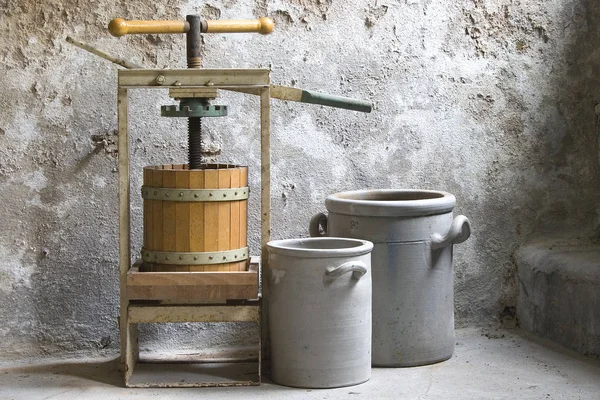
x: 492, y: 101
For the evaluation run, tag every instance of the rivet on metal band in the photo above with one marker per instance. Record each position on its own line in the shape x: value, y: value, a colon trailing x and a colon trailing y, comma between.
x: 172, y: 194
x: 199, y: 258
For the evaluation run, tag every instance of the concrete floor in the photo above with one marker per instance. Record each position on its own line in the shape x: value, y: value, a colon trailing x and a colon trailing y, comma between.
x: 487, y: 364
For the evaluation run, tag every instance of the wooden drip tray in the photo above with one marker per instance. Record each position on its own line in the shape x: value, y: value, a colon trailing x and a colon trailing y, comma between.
x: 193, y: 286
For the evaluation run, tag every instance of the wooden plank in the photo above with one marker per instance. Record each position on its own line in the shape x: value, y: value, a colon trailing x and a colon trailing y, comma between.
x: 254, y: 264
x: 182, y: 214
x: 197, y: 213
x: 193, y: 93
x: 169, y: 239
x: 136, y: 278
x: 244, y: 209
x: 243, y: 89
x: 224, y: 232
x: 128, y: 332
x: 157, y: 216
x: 277, y: 92
x: 192, y: 286
x: 211, y: 219
x: 265, y: 205
x: 234, y: 213
x: 192, y: 294
x: 265, y: 175
x: 162, y: 314
x: 130, y: 340
x: 180, y: 78
x: 124, y: 184
x: 148, y: 205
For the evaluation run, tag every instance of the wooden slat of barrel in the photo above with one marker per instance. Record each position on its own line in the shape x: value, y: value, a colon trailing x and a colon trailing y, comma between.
x: 196, y: 216
x: 157, y: 214
x: 182, y: 213
x: 223, y: 235
x: 244, y: 209
x: 212, y: 224
x: 169, y: 231
x: 148, y: 220
x: 234, y: 212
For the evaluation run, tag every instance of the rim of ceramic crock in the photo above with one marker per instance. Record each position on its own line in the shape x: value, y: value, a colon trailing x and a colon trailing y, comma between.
x: 419, y: 202
x: 284, y: 247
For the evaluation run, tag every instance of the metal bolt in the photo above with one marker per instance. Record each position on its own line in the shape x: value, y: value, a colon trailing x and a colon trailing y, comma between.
x: 236, y: 193
x: 155, y: 192
x: 210, y: 257
x: 224, y: 195
x: 235, y: 256
x: 196, y: 195
x: 160, y: 79
x: 180, y: 194
x: 168, y: 258
x: 195, y: 258
x: 181, y: 257
x: 177, y: 83
x: 167, y: 194
x: 224, y: 258
x: 210, y: 194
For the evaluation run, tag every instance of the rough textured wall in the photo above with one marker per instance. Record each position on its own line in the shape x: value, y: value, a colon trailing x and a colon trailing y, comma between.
x: 493, y: 101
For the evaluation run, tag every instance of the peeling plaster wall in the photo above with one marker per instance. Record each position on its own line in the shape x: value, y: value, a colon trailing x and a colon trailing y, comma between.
x: 493, y: 101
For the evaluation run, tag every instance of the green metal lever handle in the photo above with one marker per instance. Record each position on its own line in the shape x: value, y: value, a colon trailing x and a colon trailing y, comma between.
x: 324, y: 99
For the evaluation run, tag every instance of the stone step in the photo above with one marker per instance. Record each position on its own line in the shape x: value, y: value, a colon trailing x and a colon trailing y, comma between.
x: 559, y: 293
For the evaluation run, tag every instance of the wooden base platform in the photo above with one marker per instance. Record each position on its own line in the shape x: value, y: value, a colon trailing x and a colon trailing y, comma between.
x: 192, y: 286
x: 163, y: 297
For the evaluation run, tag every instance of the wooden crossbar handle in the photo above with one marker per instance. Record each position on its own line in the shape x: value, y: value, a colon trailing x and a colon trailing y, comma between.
x: 119, y: 26
x: 262, y: 25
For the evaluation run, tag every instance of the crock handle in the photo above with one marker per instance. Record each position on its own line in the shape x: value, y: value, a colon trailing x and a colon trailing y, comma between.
x: 458, y: 233
x: 358, y: 269
x: 318, y: 225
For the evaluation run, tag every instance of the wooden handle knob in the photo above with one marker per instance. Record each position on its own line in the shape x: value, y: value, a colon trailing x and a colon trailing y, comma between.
x: 119, y: 27
x: 262, y: 25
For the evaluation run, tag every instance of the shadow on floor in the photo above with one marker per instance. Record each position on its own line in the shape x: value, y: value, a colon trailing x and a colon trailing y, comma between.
x: 105, y: 372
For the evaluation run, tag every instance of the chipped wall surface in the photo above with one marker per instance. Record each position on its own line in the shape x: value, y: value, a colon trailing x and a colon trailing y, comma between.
x: 493, y: 101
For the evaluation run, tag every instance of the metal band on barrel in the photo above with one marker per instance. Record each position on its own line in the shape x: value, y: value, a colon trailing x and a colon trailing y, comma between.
x: 199, y: 258
x: 171, y: 194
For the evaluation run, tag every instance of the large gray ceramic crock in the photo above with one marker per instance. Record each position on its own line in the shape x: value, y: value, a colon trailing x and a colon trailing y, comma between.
x: 320, y: 311
x: 413, y: 298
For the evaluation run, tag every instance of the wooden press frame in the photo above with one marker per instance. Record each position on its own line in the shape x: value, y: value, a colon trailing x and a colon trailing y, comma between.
x: 252, y: 81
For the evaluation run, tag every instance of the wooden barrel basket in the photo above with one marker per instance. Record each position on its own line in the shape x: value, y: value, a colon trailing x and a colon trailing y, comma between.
x: 195, y: 220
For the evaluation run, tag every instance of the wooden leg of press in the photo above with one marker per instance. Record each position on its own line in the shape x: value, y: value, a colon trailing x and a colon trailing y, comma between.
x: 132, y: 351
x: 265, y: 207
x: 260, y: 344
x: 129, y: 340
